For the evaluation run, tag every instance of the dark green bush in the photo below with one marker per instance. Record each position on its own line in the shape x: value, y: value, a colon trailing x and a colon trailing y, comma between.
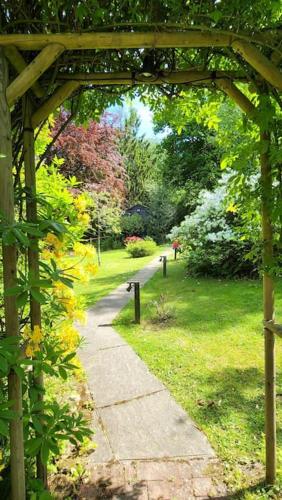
x: 132, y: 224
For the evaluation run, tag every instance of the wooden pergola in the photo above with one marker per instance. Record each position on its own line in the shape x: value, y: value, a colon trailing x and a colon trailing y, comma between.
x: 25, y: 60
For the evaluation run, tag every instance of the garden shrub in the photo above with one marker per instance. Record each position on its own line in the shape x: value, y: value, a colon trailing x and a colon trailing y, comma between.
x: 141, y: 248
x: 132, y: 224
x: 211, y: 239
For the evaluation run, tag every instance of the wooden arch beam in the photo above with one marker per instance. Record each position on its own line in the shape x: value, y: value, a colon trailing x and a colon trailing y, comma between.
x: 53, y: 103
x: 259, y: 62
x: 170, y: 77
x: 17, y: 61
x: 32, y: 72
x: 237, y: 96
x: 121, y: 40
x: 73, y: 81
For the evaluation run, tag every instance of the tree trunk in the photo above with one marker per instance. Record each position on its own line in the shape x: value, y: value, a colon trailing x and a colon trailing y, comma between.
x: 9, y: 278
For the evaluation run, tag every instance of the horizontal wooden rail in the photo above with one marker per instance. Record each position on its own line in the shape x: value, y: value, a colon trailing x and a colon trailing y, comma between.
x: 129, y: 78
x: 273, y: 327
x: 79, y: 41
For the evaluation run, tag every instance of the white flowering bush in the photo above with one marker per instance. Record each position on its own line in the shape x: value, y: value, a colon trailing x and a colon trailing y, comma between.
x: 210, y: 237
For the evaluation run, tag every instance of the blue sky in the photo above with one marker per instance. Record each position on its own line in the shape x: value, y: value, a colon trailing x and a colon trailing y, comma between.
x: 146, y: 117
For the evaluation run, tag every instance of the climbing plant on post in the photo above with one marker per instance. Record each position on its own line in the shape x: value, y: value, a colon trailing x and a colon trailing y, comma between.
x: 9, y: 256
x: 33, y: 250
x: 267, y: 259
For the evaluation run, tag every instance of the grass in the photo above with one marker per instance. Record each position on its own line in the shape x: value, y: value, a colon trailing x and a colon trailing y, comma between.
x: 117, y: 266
x: 210, y: 356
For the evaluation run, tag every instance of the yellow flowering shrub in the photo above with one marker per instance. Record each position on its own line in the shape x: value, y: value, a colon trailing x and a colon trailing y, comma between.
x: 33, y: 339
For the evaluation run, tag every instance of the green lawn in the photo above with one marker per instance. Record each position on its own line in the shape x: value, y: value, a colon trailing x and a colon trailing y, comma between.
x: 116, y: 267
x: 210, y: 356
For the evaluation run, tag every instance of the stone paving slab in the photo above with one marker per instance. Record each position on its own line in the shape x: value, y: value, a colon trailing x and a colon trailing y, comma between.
x: 147, y: 446
x: 159, y: 481
x: 125, y: 377
x: 102, y: 338
x: 153, y: 427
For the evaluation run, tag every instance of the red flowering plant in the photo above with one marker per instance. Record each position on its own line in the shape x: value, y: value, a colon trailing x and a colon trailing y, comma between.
x: 176, y: 245
x: 132, y: 239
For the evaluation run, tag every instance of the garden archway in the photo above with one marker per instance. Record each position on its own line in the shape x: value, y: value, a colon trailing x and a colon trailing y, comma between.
x: 43, y: 75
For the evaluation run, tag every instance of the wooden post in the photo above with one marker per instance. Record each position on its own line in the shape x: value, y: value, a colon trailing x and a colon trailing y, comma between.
x: 268, y: 285
x: 33, y: 253
x: 9, y: 254
x: 137, y: 302
x: 163, y: 259
x: 268, y: 307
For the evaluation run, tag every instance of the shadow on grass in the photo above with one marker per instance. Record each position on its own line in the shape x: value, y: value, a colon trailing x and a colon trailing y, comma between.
x: 260, y: 489
x: 100, y: 287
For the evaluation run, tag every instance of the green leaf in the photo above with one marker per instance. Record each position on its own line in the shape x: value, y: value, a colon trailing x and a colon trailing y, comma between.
x: 44, y: 452
x: 14, y: 290
x: 39, y: 297
x: 37, y: 425
x: 45, y: 495
x: 33, y: 445
x: 4, y: 367
x: 22, y: 299
x: 63, y: 373
x: 21, y: 237
x: 4, y: 428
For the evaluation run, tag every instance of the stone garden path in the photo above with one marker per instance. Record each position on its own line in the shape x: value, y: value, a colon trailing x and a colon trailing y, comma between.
x: 147, y: 446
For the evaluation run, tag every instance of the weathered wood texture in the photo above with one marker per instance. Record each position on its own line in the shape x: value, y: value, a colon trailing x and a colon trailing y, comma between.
x: 79, y: 41
x: 268, y: 308
x: 9, y: 255
x: 54, y: 102
x: 268, y: 284
x: 237, y: 96
x: 33, y: 251
x: 127, y: 77
x: 257, y: 60
x: 32, y: 72
x: 17, y: 61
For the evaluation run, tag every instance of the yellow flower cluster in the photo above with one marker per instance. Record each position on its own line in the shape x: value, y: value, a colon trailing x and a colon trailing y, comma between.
x: 34, y: 338
x: 53, y: 247
x: 82, y: 250
x: 67, y: 298
x: 80, y: 203
x: 68, y: 336
x: 84, y: 218
x: 231, y: 208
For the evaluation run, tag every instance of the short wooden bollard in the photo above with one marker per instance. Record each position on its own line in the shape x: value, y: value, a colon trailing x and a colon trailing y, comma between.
x: 137, y: 304
x: 163, y: 259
